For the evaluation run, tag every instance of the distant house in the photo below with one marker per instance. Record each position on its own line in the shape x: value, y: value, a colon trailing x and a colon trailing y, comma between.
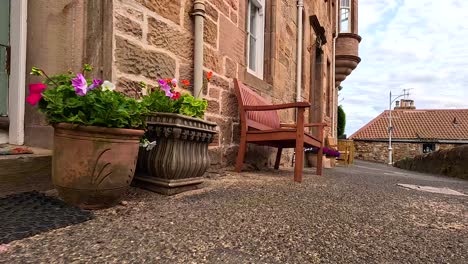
x: 415, y: 132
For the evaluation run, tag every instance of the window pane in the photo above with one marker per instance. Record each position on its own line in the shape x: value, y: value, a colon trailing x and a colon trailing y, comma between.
x: 253, y: 19
x: 345, y: 3
x: 344, y: 20
x: 252, y: 53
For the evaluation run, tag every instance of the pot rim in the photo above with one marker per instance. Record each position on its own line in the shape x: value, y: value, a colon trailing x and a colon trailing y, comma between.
x: 182, y: 116
x: 98, y: 129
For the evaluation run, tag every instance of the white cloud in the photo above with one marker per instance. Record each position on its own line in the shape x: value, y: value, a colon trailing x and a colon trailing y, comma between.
x: 419, y: 44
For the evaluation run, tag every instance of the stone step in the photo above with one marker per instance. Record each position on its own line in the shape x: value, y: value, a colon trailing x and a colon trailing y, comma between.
x: 26, y: 172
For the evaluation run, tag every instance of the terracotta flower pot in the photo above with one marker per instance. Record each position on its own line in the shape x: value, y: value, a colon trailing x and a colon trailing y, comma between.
x: 93, y: 166
x: 312, y: 159
x: 180, y: 157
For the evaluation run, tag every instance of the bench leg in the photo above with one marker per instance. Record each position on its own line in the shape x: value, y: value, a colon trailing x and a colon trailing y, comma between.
x: 299, y: 165
x: 320, y: 153
x: 241, y: 154
x: 299, y: 145
x: 278, y: 158
x: 320, y: 161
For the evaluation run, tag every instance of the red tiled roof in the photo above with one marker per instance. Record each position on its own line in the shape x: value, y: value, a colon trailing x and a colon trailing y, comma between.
x: 418, y: 124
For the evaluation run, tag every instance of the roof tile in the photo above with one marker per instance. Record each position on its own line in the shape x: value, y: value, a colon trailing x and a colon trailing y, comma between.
x: 418, y: 124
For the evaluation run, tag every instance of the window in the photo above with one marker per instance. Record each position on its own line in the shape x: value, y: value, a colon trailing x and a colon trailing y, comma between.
x: 345, y: 16
x: 429, y: 147
x: 255, y: 37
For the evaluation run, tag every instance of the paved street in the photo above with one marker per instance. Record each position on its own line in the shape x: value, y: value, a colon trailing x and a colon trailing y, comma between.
x: 351, y: 215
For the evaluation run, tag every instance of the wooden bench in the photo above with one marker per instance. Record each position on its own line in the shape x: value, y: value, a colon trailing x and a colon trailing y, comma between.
x: 260, y: 124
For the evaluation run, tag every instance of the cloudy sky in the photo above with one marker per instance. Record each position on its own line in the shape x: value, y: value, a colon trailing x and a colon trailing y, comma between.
x: 418, y: 44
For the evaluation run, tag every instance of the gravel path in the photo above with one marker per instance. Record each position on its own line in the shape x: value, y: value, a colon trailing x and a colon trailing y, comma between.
x: 352, y: 215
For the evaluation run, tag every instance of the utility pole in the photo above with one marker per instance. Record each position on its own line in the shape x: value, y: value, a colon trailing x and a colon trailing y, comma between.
x: 390, y: 127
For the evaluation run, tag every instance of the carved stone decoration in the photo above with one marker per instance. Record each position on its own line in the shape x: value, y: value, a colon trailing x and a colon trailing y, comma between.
x: 180, y: 158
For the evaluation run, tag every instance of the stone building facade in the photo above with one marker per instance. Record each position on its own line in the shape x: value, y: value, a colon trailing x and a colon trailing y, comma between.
x: 414, y: 132
x: 378, y: 150
x: 129, y: 41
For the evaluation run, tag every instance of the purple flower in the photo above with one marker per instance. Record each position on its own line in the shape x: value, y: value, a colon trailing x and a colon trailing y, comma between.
x: 96, y: 83
x: 165, y: 87
x: 80, y: 85
x: 162, y: 82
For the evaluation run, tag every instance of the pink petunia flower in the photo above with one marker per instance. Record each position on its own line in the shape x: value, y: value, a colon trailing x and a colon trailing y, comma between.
x: 80, y: 84
x: 174, y: 82
x: 35, y: 93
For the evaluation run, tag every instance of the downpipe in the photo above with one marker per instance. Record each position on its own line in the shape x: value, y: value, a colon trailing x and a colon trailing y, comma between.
x: 300, y: 8
x: 199, y: 14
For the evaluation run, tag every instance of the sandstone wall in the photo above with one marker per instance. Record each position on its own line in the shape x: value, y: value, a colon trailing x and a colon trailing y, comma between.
x: 154, y: 39
x: 451, y: 162
x: 55, y: 36
x: 378, y: 151
x: 63, y: 35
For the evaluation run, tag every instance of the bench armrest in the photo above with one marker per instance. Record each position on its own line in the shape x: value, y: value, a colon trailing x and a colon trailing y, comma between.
x: 315, y: 124
x: 276, y: 107
x: 305, y: 125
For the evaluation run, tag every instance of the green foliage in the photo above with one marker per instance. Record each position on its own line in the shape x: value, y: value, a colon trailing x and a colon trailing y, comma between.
x: 87, y: 68
x: 36, y: 71
x: 187, y: 105
x: 157, y: 101
x: 191, y: 106
x: 341, y: 121
x: 96, y: 108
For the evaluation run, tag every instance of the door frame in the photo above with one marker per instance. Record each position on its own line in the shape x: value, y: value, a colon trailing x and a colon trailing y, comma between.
x: 17, y: 84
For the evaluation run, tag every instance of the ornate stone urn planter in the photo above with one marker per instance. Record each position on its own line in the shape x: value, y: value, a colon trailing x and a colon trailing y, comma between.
x: 180, y: 157
x: 93, y: 166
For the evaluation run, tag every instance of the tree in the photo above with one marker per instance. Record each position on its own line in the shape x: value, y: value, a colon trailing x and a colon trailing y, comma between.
x: 341, y: 121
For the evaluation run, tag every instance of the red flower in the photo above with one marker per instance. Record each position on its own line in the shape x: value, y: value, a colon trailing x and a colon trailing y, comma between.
x: 169, y: 81
x: 209, y: 75
x: 35, y: 93
x: 175, y: 96
x: 185, y: 82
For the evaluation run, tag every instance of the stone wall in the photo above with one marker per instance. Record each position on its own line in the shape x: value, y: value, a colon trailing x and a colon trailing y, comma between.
x: 62, y: 35
x: 451, y: 162
x: 154, y: 39
x: 54, y: 43
x: 378, y: 150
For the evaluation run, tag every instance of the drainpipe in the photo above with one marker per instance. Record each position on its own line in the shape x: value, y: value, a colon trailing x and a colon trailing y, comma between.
x: 337, y: 19
x: 300, y: 7
x: 337, y: 14
x: 199, y: 15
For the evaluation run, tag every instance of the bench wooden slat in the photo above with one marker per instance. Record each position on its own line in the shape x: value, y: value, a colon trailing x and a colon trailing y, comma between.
x: 249, y: 97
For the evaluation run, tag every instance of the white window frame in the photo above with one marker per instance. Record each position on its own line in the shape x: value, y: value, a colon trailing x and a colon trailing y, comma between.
x: 343, y: 6
x: 260, y: 39
x: 17, y: 85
